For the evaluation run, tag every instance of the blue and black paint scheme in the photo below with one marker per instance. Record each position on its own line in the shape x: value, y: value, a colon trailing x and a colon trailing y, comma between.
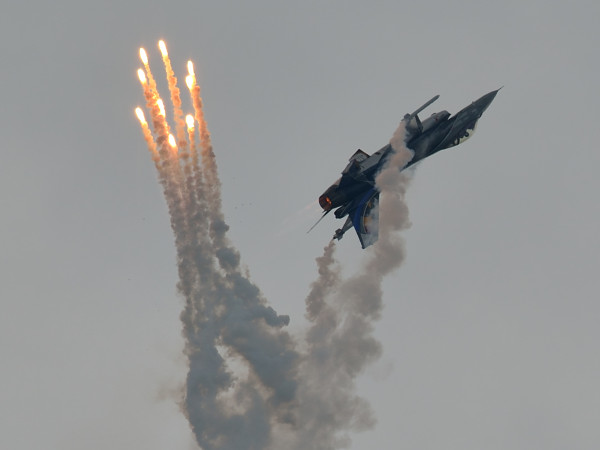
x: 355, y: 195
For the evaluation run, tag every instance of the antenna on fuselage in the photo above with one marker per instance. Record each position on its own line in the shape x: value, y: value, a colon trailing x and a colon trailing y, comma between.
x: 324, y: 214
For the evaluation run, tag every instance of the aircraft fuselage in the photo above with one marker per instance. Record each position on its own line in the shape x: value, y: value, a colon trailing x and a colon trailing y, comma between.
x: 425, y: 138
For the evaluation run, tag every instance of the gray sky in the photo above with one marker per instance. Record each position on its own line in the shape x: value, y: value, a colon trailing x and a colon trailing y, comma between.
x: 490, y: 326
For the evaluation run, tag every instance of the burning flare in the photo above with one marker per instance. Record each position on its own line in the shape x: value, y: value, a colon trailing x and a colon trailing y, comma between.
x: 163, y: 48
x: 189, y: 119
x: 161, y: 106
x: 143, y: 56
x: 189, y: 80
x: 142, y: 76
x: 172, y: 142
x: 140, y: 114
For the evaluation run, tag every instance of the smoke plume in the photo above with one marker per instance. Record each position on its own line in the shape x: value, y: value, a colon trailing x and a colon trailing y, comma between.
x: 250, y: 385
x: 342, y: 312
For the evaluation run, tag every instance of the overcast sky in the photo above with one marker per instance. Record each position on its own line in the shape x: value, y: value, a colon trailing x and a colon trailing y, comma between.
x: 490, y: 328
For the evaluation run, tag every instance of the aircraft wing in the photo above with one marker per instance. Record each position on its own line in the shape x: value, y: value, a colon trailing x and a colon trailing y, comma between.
x: 365, y: 218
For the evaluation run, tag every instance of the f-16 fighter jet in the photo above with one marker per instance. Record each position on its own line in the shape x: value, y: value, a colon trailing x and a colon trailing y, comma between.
x: 355, y: 195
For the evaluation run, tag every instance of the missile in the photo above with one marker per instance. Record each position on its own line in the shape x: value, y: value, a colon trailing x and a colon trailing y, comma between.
x: 407, y: 117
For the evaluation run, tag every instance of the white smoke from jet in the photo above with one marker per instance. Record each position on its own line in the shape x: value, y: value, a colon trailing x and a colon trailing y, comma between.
x: 342, y: 312
x: 249, y: 386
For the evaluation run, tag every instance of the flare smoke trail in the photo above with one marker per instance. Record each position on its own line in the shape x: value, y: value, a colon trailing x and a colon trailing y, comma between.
x: 249, y: 386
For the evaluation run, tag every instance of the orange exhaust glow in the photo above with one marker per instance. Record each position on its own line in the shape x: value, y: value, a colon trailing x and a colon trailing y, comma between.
x: 143, y: 56
x: 163, y: 48
x: 325, y: 202
x: 140, y: 114
x: 142, y: 76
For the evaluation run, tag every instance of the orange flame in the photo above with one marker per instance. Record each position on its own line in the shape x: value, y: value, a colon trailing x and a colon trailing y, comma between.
x: 161, y: 106
x: 190, y: 67
x: 163, y: 48
x: 172, y: 142
x: 140, y: 115
x: 190, y: 121
x: 143, y: 56
x: 189, y: 80
x: 142, y: 76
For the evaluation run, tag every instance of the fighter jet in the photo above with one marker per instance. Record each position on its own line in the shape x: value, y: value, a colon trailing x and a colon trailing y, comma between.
x: 355, y: 195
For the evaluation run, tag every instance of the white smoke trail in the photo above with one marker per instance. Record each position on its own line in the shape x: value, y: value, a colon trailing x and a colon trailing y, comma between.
x: 342, y: 312
x: 224, y: 314
x: 248, y: 385
x: 248, y: 327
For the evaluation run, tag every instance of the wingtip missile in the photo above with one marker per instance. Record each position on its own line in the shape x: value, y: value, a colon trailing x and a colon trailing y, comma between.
x: 408, y: 117
x: 425, y: 105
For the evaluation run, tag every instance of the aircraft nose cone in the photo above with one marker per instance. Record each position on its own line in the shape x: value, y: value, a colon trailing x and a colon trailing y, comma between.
x: 486, y: 100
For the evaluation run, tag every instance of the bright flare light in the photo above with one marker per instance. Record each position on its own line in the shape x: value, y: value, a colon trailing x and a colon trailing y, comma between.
x: 163, y: 48
x: 140, y: 114
x: 172, y: 142
x: 142, y: 76
x: 190, y: 66
x: 161, y: 106
x: 143, y: 56
x: 189, y: 80
x: 190, y: 121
